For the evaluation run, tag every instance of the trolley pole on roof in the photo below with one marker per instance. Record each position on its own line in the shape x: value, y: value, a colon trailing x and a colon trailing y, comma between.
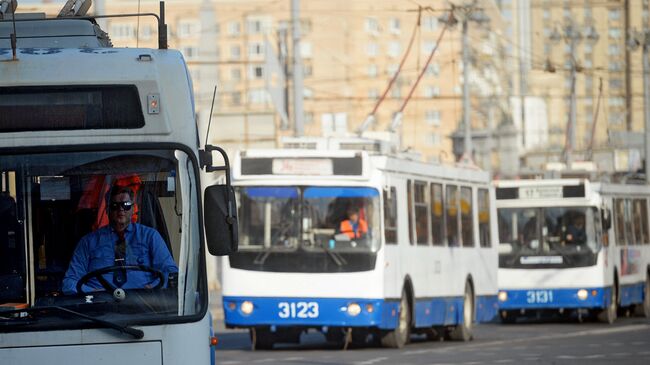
x: 298, y: 111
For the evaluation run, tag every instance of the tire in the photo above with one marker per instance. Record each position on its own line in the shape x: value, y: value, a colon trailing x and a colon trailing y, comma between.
x: 643, y: 309
x: 508, y: 317
x: 400, y: 336
x: 261, y: 339
x: 608, y: 315
x: 463, y: 331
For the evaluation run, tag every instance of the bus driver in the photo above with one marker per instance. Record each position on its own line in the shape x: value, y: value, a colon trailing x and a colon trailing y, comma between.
x: 117, y: 244
x: 354, y: 226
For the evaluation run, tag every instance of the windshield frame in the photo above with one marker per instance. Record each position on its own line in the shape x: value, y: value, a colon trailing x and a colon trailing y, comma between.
x: 142, y: 318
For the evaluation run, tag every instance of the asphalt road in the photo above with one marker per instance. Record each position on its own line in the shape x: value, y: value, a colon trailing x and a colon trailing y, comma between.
x: 532, y: 342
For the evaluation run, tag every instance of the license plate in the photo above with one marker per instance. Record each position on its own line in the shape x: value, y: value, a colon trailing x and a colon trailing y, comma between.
x: 298, y: 310
x: 539, y: 296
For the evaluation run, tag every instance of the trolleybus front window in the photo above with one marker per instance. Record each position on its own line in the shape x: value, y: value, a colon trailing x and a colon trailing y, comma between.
x: 50, y: 203
x: 547, y: 236
x: 307, y: 229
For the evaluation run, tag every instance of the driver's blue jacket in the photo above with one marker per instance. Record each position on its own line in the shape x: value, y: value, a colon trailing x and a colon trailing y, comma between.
x: 96, y: 250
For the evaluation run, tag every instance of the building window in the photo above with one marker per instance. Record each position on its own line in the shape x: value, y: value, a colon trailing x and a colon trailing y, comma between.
x: 188, y: 28
x: 256, y: 50
x: 256, y: 71
x: 614, y: 14
x: 429, y: 23
x: 372, y: 26
x: 235, y: 74
x: 235, y: 97
x: 432, y: 117
x: 190, y: 52
x: 431, y: 91
x: 307, y: 70
x: 614, y: 33
x: 433, y: 69
x: 615, y: 83
x: 428, y: 46
x: 373, y: 94
x: 372, y: 49
x: 394, y: 49
x: 122, y: 31
x: 258, y: 96
x: 394, y: 25
x: 391, y: 69
x: 235, y: 52
x: 395, y: 92
x: 234, y: 29
x: 372, y: 70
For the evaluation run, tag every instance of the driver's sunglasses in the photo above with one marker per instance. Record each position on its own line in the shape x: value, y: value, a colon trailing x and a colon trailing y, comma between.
x: 126, y: 206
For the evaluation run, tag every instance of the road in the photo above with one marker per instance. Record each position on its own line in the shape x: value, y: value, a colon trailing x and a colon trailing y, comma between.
x: 532, y: 342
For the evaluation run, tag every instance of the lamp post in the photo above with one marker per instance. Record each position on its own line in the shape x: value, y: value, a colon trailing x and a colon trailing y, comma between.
x: 643, y: 39
x: 466, y: 14
x: 572, y: 36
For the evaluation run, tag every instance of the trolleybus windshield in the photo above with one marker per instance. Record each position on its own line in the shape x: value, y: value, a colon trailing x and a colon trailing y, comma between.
x: 307, y: 229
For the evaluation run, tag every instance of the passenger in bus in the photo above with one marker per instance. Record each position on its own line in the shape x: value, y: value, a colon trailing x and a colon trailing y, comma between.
x: 119, y: 243
x: 575, y: 232
x: 354, y: 226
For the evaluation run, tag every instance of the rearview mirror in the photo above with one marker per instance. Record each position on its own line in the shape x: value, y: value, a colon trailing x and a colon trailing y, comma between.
x: 220, y: 220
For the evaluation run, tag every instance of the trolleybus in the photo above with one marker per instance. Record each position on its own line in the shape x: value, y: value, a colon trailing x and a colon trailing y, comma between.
x: 421, y: 259
x: 573, y: 246
x: 78, y: 117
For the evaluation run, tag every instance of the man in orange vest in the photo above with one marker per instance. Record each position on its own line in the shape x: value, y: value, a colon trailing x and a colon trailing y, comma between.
x: 354, y: 226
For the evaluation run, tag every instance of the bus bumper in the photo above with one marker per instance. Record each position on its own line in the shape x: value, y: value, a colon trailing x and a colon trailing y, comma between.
x: 574, y: 298
x: 310, y: 312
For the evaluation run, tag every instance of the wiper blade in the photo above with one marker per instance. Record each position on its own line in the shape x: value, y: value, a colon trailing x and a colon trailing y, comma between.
x: 338, y: 259
x: 136, y: 333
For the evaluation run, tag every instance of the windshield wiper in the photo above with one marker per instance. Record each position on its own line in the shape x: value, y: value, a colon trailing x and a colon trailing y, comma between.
x: 136, y: 333
x: 338, y: 259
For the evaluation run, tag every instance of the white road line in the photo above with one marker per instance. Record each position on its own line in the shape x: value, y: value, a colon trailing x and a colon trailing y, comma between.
x: 371, y: 361
x: 605, y: 331
x: 594, y: 356
x: 504, y: 361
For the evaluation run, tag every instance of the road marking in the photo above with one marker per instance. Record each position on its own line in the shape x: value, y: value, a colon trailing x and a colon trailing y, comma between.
x: 637, y: 343
x: 371, y: 361
x: 504, y: 361
x: 605, y: 331
x: 594, y: 356
x: 565, y: 357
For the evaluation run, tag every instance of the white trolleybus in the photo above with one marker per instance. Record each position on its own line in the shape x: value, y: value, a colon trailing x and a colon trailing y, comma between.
x: 572, y: 246
x: 358, y: 245
x: 77, y: 118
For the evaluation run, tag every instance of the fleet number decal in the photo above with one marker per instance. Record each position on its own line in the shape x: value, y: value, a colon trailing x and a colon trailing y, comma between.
x: 298, y: 310
x: 539, y: 296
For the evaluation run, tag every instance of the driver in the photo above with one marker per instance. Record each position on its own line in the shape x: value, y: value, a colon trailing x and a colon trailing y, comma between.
x: 354, y: 226
x: 119, y: 243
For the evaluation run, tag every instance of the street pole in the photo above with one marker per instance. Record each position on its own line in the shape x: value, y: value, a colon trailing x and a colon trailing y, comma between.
x: 467, y: 150
x: 298, y: 112
x: 646, y: 101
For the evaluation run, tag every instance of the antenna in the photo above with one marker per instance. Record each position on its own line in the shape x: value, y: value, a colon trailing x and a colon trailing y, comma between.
x: 207, y: 133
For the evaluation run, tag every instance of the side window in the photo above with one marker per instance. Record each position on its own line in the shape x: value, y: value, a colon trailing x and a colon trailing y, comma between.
x: 437, y: 216
x: 451, y: 216
x: 466, y: 215
x: 390, y: 215
x: 421, y: 204
x: 484, y: 218
x: 629, y: 228
x: 641, y: 221
x: 409, y: 197
x: 619, y: 220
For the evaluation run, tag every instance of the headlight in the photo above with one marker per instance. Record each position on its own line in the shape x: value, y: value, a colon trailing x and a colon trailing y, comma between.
x: 246, y: 307
x: 582, y: 294
x: 354, y: 309
x: 503, y: 296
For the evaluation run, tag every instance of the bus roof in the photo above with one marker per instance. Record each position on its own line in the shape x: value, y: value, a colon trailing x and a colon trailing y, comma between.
x: 156, y: 73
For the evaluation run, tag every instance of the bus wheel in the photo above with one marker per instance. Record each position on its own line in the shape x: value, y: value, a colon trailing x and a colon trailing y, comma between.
x: 261, y: 339
x: 398, y: 337
x: 463, y: 331
x: 643, y: 309
x: 608, y: 315
x: 508, y: 317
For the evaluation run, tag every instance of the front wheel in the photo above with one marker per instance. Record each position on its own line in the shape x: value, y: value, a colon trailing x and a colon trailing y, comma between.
x: 398, y: 337
x: 463, y: 331
x: 261, y: 339
x: 608, y: 315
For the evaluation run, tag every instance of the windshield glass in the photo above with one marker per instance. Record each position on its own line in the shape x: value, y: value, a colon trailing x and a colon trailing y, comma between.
x: 307, y: 229
x: 563, y: 236
x: 76, y: 226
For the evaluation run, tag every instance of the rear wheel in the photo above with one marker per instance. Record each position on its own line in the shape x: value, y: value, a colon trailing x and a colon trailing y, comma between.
x: 608, y: 315
x: 463, y: 331
x: 643, y: 309
x: 398, y: 337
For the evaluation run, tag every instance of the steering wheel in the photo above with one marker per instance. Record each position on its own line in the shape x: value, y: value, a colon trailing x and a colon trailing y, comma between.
x: 98, y: 274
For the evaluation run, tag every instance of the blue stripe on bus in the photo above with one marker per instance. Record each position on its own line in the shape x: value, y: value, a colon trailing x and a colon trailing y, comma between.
x: 631, y: 294
x: 340, y: 192
x: 449, y: 311
x: 555, y: 298
x: 271, y: 192
x: 314, y: 312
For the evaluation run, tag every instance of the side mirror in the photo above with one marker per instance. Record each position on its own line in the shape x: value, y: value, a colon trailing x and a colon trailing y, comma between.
x: 220, y: 220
